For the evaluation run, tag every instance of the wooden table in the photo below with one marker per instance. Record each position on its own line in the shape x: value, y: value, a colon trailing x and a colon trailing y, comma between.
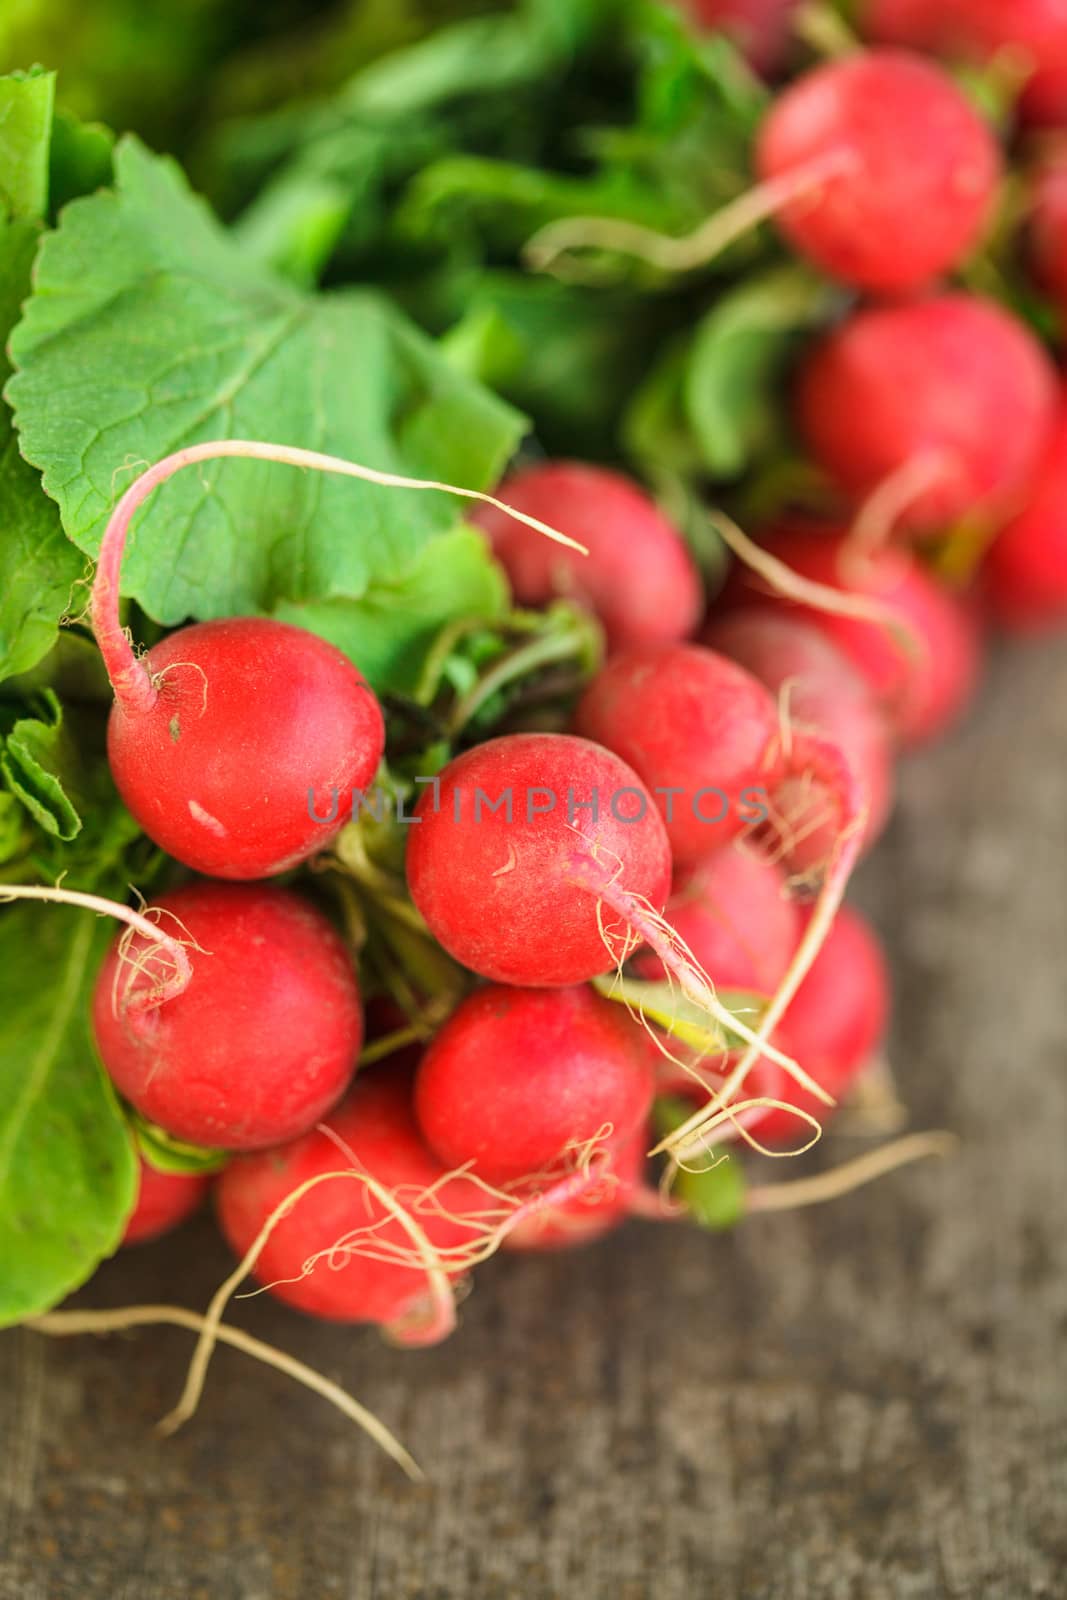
x: 862, y: 1400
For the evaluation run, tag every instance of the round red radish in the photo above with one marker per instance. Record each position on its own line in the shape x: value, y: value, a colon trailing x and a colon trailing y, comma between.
x: 638, y: 577
x: 164, y: 1199
x: 518, y: 1077
x: 1026, y: 569
x: 374, y: 1131
x: 604, y: 1206
x: 760, y: 28
x: 835, y: 1023
x: 924, y: 682
x: 952, y: 385
x: 825, y: 693
x: 700, y: 732
x: 734, y: 912
x: 242, y: 755
x: 1048, y: 226
x: 919, y: 169
x: 263, y: 1040
x: 510, y: 857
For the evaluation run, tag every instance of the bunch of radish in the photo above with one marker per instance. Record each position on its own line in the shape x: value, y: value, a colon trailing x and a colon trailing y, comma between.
x: 638, y: 905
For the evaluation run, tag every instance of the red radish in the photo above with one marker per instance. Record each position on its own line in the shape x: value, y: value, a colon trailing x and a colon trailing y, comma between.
x: 951, y: 390
x: 825, y: 692
x: 164, y: 1199
x: 238, y: 744
x: 924, y: 681
x: 518, y: 1078
x: 373, y: 1131
x: 760, y: 28
x: 1048, y: 226
x: 917, y: 176
x: 835, y: 1023
x: 699, y: 731
x: 1026, y: 569
x: 1030, y: 36
x: 529, y: 897
x: 734, y: 912
x: 638, y: 577
x: 250, y: 732
x: 262, y: 1041
x: 601, y: 1208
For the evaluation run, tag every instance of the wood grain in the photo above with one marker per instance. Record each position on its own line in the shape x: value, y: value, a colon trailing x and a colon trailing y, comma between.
x: 860, y: 1402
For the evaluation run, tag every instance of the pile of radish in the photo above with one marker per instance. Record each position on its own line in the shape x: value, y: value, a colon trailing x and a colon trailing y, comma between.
x: 617, y: 972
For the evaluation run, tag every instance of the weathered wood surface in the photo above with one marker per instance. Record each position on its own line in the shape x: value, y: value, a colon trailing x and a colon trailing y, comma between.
x: 860, y: 1402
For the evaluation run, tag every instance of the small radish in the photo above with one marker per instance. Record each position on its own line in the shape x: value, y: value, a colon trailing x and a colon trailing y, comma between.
x: 835, y: 1023
x: 951, y: 391
x: 164, y: 1199
x: 517, y: 875
x: 261, y: 1041
x: 924, y: 679
x: 734, y: 912
x: 1026, y: 569
x: 824, y: 691
x: 373, y: 1131
x: 759, y: 28
x: 604, y: 1206
x: 918, y: 169
x: 1048, y: 226
x: 638, y: 577
x: 232, y: 740
x: 699, y: 731
x: 518, y: 1079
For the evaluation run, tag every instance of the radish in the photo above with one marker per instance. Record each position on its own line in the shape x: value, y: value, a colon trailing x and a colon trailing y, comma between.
x: 835, y: 1023
x: 520, y: 893
x: 1048, y: 226
x: 164, y: 1199
x: 924, y: 680
x: 1026, y: 569
x: 917, y: 169
x: 231, y: 740
x: 759, y: 28
x: 734, y: 912
x: 699, y: 730
x: 518, y: 1079
x: 603, y: 1206
x: 1030, y: 36
x: 372, y: 1132
x: 638, y: 577
x: 949, y: 399
x: 261, y: 1041
x: 823, y: 691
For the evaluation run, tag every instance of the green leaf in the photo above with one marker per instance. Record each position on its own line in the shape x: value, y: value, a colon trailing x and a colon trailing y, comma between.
x: 80, y: 158
x: 149, y: 329
x: 167, y: 1154
x: 736, y: 362
x: 295, y: 223
x: 26, y: 101
x: 389, y: 630
x: 36, y: 762
x: 39, y: 563
x: 67, y: 1163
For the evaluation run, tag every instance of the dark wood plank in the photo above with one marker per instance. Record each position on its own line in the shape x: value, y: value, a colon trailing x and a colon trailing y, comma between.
x: 865, y: 1400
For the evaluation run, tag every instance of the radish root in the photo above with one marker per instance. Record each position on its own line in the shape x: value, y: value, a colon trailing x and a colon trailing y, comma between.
x: 133, y: 684
x: 67, y: 1324
x: 549, y: 249
x: 852, y: 1174
x: 173, y: 969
